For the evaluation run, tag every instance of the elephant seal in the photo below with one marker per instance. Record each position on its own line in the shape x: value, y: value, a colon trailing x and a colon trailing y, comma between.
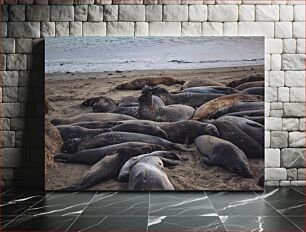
x: 109, y: 138
x: 104, y: 103
x: 211, y: 90
x: 171, y: 113
x: 232, y: 133
x: 248, y: 113
x: 252, y: 129
x: 255, y: 91
x: 250, y: 85
x: 212, y: 106
x: 200, y: 82
x: 166, y: 155
x: 130, y: 110
x: 251, y: 78
x: 238, y: 107
x: 128, y: 101
x: 188, y: 98
x: 219, y: 152
x: 185, y: 132
x: 258, y: 119
x: 141, y: 129
x: 139, y: 83
x: 107, y: 168
x: 70, y: 132
x: 92, y: 156
x: 97, y: 124
x: 89, y: 117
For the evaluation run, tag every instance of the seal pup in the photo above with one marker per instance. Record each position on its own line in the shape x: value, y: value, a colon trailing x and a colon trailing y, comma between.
x: 211, y: 90
x: 251, y: 78
x: 208, y: 108
x: 139, y: 83
x: 255, y: 91
x: 219, y: 152
x: 167, y: 156
x: 70, y: 132
x: 232, y: 133
x: 188, y: 98
x: 185, y: 132
x: 92, y: 156
x: 250, y: 85
x: 109, y: 138
x: 107, y: 168
x: 171, y: 113
x: 200, y: 82
x: 89, y: 117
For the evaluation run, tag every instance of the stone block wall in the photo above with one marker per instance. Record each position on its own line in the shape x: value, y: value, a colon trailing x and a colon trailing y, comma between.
x: 24, y: 24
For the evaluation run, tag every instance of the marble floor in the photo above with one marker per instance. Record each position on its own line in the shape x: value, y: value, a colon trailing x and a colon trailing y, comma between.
x: 275, y: 210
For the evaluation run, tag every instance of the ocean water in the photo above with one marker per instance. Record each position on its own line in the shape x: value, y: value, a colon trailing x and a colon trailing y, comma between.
x: 98, y: 54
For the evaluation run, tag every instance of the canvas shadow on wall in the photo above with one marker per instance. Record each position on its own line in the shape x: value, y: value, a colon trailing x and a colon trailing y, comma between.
x: 154, y: 113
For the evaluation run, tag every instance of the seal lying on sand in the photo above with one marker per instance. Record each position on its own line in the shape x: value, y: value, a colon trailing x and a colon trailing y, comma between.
x: 138, y: 84
x: 188, y: 98
x: 91, y: 117
x: 255, y: 91
x: 258, y: 119
x: 70, y: 132
x: 222, y: 153
x: 150, y: 111
x: 251, y: 78
x: 168, y: 157
x: 109, y: 138
x: 92, y: 156
x: 211, y: 90
x: 207, y: 109
x: 185, y: 132
x: 248, y: 113
x: 106, y: 101
x: 107, y: 168
x: 200, y: 82
x: 232, y: 133
x: 97, y: 124
x: 250, y: 85
x: 131, y: 111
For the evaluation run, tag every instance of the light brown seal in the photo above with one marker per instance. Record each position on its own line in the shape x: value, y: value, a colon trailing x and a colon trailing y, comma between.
x: 250, y: 85
x: 251, y: 78
x: 200, y: 82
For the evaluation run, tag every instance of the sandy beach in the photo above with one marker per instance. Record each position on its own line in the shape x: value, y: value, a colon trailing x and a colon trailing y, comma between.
x: 65, y: 92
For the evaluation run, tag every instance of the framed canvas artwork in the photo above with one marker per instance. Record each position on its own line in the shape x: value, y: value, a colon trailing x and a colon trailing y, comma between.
x: 154, y: 113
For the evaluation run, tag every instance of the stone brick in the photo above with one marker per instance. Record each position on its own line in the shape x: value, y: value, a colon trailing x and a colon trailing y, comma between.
x: 296, y: 139
x: 11, y: 109
x: 165, y: 29
x: 150, y: 2
x: 284, y: 183
x: 292, y: 174
x: 11, y: 157
x: 279, y: 139
x: 47, y: 29
x: 80, y: 13
x: 297, y: 94
x: 293, y: 158
x: 62, y: 29
x: 95, y: 13
x: 295, y: 78
x: 24, y: 45
x: 197, y: 13
x: 273, y: 46
x: 302, y: 124
x: 275, y: 174
x: 9, y: 78
x: 10, y: 94
x: 2, y: 62
x: 276, y: 106
x: 141, y: 29
x: 246, y: 13
x: 4, y: 15
x: 17, y: 13
x: 301, y: 175
x: 293, y: 61
x: 300, y: 47
x: 38, y: 13
x: 110, y: 13
x: 175, y: 13
x: 230, y: 29
x: 276, y: 78
x: 194, y: 2
x: 267, y: 62
x: 267, y: 109
x: 271, y: 183
x: 267, y: 139
x: 294, y: 110
x: 298, y: 30
x: 270, y: 94
x: 61, y: 2
x: 75, y: 29
x: 191, y: 29
x: 8, y: 45
x: 212, y: 29
x: 283, y: 29
x: 16, y: 62
x: 120, y: 29
x: 8, y: 139
x: 167, y: 2
x: 267, y: 13
x: 256, y: 29
x: 154, y: 13
x: 84, y: 2
x: 131, y: 13
x: 276, y: 62
x: 24, y: 29
x: 297, y: 183
x: 276, y: 113
x: 3, y: 29
x: 103, y: 2
x: 286, y: 13
x: 94, y: 29
x: 272, y: 123
x: 290, y: 124
x: 289, y: 46
x: 272, y: 158
x: 127, y: 2
x: 62, y: 13
x: 222, y: 13
x: 299, y: 13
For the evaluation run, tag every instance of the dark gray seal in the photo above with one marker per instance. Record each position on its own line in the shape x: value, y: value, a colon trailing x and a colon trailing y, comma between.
x: 219, y: 152
x: 97, y: 124
x: 70, y: 132
x: 248, y: 113
x: 251, y: 78
x: 129, y: 110
x: 258, y: 119
x: 92, y: 156
x: 185, y: 132
x: 200, y: 82
x: 255, y: 91
x: 188, y: 98
x: 109, y: 138
x: 211, y: 90
x: 250, y: 85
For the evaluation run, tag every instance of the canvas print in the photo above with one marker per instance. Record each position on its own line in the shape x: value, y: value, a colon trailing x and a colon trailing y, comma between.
x: 154, y: 113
